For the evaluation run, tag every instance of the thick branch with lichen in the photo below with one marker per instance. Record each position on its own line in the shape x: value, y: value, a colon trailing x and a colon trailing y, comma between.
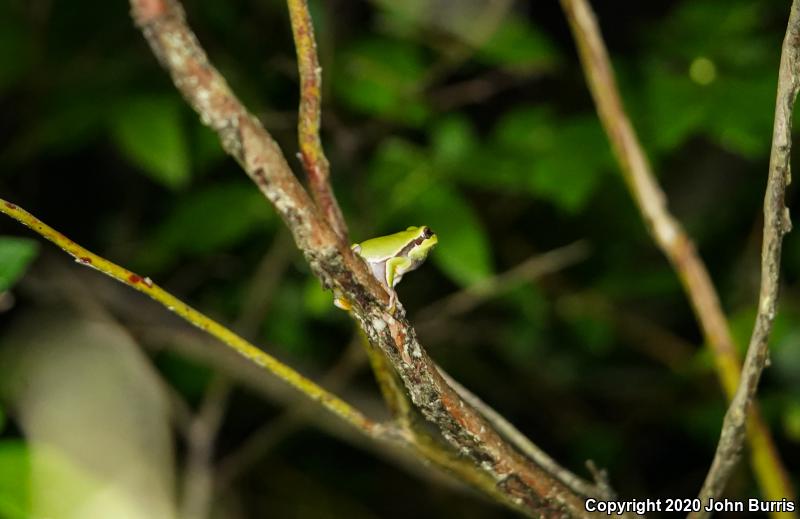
x: 669, y: 235
x: 776, y: 224
x: 522, y: 483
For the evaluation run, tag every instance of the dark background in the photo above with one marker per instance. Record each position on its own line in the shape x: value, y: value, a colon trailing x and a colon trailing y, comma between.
x: 471, y: 116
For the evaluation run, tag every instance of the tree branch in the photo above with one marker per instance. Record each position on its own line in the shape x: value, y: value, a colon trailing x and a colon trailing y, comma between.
x: 310, y: 114
x: 776, y: 225
x: 522, y: 484
x: 668, y: 233
x: 143, y: 284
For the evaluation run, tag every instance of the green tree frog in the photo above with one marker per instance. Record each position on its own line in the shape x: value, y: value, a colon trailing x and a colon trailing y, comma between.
x: 390, y: 257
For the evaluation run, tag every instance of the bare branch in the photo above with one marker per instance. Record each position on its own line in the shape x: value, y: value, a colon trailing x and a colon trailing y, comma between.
x: 310, y: 112
x: 667, y: 231
x: 519, y: 482
x: 776, y: 225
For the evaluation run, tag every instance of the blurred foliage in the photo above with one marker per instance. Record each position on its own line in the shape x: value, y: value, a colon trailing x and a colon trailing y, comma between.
x: 15, y: 255
x: 470, y: 116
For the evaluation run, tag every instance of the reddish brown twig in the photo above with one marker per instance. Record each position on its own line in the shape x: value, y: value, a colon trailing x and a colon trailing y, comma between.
x: 313, y: 156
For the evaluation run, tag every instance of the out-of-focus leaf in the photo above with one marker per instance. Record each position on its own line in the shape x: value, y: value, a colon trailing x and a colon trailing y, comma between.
x: 398, y: 172
x: 452, y: 139
x: 697, y: 71
x: 211, y: 219
x: 736, y: 37
x: 15, y: 256
x: 594, y: 334
x: 318, y: 301
x: 382, y: 77
x: 678, y: 108
x: 784, y: 339
x: 523, y: 339
x: 518, y: 44
x: 530, y: 129
x: 470, y: 21
x: 150, y: 132
x: 463, y: 252
x: 2, y: 419
x: 206, y: 148
x: 95, y: 417
x: 188, y: 377
x: 14, y: 480
x: 566, y: 175
x: 68, y: 121
x: 791, y: 420
x: 702, y: 419
x: 287, y: 324
x: 561, y: 160
x: 16, y: 50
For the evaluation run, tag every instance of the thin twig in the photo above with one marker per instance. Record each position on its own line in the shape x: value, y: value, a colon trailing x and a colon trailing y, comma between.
x: 310, y: 114
x: 197, y: 496
x: 668, y: 233
x: 85, y: 257
x: 200, y: 475
x: 776, y: 224
x: 532, y: 268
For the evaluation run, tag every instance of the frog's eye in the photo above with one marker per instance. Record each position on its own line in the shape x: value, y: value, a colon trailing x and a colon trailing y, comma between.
x: 427, y: 232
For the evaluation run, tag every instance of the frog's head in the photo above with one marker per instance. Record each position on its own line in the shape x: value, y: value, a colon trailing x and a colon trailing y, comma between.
x: 424, y: 240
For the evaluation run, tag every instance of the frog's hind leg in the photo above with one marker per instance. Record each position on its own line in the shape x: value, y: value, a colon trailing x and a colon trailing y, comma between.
x: 395, y: 268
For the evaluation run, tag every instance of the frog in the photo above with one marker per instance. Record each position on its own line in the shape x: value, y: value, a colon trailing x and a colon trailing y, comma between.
x: 390, y: 257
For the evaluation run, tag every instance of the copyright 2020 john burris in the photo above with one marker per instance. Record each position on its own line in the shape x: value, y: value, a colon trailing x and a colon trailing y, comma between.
x: 644, y: 506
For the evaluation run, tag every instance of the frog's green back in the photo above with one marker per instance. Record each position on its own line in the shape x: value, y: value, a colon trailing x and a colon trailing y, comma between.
x: 389, y: 245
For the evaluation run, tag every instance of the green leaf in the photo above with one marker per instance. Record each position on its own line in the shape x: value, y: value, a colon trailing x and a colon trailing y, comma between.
x: 15, y: 256
x: 528, y: 129
x: 14, y: 480
x: 382, y: 78
x: 452, y: 140
x: 463, y: 252
x: 678, y: 108
x: 208, y: 220
x: 318, y: 301
x: 518, y: 44
x: 791, y: 420
x: 287, y: 325
x: 149, y: 131
x: 206, y: 148
x: 188, y: 377
x: 738, y: 37
x: 560, y: 160
x: 398, y: 172
x: 569, y: 173
x: 16, y: 50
